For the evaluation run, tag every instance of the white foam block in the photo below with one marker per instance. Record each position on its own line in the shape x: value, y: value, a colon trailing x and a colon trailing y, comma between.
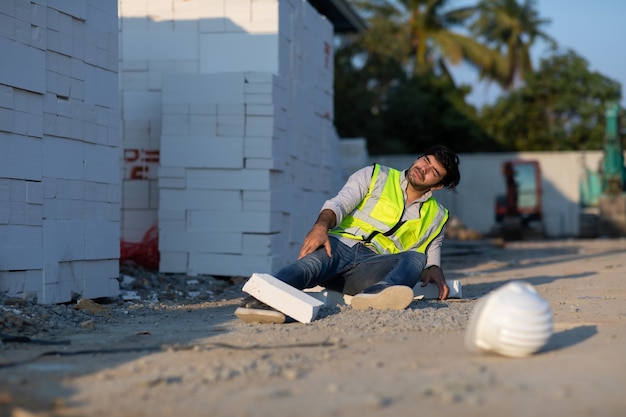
x: 283, y: 297
x: 431, y: 290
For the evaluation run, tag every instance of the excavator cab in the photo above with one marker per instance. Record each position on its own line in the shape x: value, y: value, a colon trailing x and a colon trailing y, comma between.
x: 518, y: 212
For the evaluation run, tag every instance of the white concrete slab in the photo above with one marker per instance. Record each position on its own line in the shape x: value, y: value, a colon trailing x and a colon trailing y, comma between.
x: 283, y: 297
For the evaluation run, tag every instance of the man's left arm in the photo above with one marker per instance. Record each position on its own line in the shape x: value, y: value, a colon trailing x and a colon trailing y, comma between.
x: 433, y: 272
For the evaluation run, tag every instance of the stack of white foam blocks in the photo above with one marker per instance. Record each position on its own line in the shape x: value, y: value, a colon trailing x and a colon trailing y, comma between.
x: 59, y: 149
x: 235, y: 98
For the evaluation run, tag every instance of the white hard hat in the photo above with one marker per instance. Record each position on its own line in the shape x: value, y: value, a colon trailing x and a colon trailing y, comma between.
x: 513, y: 320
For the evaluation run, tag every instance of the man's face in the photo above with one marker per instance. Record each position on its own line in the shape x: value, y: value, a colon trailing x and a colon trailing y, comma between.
x: 425, y: 173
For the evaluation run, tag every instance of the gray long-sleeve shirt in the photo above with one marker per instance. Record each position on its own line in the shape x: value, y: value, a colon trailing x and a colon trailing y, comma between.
x: 355, y: 190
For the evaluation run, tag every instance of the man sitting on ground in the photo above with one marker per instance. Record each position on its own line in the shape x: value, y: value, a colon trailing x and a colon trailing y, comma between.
x: 375, y: 239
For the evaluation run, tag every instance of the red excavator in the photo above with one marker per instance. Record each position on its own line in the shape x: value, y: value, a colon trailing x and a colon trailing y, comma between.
x: 519, y: 213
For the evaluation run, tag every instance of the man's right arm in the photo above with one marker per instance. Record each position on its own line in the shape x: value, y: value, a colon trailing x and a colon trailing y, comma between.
x: 351, y: 194
x: 335, y: 209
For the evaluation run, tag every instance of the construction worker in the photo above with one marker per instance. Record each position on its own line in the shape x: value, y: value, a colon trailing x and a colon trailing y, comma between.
x: 376, y: 239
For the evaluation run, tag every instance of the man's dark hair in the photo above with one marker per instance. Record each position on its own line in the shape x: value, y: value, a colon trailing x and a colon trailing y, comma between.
x: 450, y: 162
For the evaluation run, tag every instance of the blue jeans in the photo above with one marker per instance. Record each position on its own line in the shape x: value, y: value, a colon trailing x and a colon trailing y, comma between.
x: 352, y: 269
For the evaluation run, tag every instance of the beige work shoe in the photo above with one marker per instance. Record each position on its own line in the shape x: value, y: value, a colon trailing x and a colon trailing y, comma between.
x: 252, y: 310
x: 383, y: 297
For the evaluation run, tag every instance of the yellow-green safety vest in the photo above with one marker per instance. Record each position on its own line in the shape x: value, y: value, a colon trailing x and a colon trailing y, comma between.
x: 377, y: 220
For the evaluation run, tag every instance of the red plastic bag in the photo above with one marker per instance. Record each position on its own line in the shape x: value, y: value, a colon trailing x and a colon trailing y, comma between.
x: 144, y: 253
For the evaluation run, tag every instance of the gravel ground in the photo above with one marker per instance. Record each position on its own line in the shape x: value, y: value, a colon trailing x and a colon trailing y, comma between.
x: 171, y: 345
x: 152, y: 291
x: 141, y: 289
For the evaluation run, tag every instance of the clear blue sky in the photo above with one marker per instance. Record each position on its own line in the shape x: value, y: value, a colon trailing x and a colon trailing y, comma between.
x: 594, y: 29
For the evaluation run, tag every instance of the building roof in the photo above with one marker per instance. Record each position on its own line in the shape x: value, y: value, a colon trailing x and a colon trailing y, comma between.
x: 341, y: 14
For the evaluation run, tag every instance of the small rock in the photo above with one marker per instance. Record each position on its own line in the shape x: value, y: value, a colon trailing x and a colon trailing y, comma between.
x: 88, y: 324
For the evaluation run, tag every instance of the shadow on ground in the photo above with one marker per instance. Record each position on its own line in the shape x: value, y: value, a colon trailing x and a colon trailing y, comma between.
x: 570, y: 337
x: 32, y: 375
x: 483, y: 288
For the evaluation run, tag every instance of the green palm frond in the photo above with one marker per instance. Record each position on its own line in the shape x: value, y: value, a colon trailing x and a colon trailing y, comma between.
x: 511, y: 28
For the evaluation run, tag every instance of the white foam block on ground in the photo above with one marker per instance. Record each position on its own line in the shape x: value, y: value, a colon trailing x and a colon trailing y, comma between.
x: 332, y: 298
x: 283, y: 297
x: 431, y: 290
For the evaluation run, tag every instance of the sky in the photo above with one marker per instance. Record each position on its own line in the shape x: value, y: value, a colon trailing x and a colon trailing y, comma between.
x: 594, y: 29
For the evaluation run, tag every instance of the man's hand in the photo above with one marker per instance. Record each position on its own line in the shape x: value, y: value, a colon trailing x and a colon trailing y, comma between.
x: 435, y: 274
x: 318, y: 236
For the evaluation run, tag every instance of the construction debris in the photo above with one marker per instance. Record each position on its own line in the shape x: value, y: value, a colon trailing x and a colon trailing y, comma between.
x: 140, y: 288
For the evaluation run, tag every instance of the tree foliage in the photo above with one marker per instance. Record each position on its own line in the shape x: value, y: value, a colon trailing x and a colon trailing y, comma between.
x: 400, y: 102
x: 393, y: 88
x: 511, y: 29
x: 426, y: 35
x: 560, y: 107
x: 426, y: 111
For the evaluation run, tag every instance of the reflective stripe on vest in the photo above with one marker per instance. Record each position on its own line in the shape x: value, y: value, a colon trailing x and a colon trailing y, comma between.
x: 377, y: 220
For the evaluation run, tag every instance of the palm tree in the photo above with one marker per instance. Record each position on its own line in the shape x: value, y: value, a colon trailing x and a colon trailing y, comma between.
x: 426, y: 27
x: 511, y: 28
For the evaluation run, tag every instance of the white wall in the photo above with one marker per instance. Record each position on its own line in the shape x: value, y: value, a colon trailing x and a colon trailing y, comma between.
x: 233, y: 101
x: 59, y: 149
x: 482, y: 181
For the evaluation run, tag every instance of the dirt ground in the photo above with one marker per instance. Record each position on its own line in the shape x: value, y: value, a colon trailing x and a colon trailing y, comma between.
x: 177, y: 351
